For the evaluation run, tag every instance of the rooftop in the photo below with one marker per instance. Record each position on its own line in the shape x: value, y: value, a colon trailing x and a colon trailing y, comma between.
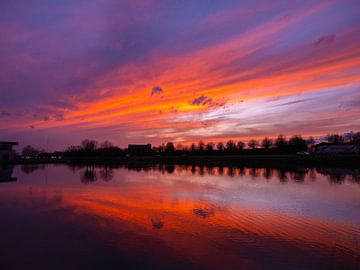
x: 11, y: 143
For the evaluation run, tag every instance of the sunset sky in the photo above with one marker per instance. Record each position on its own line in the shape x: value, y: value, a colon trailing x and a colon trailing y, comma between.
x: 136, y: 71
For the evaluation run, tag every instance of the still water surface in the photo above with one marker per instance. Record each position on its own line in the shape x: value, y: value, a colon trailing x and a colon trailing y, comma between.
x: 178, y: 217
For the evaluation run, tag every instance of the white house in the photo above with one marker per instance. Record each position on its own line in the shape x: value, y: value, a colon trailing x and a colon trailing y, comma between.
x: 6, y: 151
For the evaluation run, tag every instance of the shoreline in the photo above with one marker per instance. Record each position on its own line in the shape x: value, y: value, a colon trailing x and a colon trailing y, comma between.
x: 336, y: 161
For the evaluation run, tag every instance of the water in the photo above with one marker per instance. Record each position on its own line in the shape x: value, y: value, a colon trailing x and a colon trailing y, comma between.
x: 178, y: 217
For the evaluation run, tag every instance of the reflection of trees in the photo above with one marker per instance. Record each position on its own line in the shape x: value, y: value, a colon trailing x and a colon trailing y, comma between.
x: 170, y: 169
x: 201, y: 170
x: 231, y: 171
x: 312, y: 174
x: 355, y: 178
x: 210, y: 170
x: 298, y: 175
x: 89, y: 175
x: 106, y: 174
x: 30, y: 168
x: 339, y: 175
x: 337, y: 178
x: 254, y: 172
x: 193, y: 169
x: 281, y: 174
x: 267, y: 173
x: 74, y: 168
x: 221, y: 170
x: 242, y: 171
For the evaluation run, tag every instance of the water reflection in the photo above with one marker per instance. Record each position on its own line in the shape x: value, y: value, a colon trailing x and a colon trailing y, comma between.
x: 157, y: 223
x: 91, y: 173
x: 204, y: 212
x: 30, y: 168
x: 335, y: 175
x: 6, y: 172
x: 180, y: 217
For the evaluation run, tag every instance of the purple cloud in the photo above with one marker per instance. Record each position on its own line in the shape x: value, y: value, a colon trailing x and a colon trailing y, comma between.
x: 156, y: 90
x: 202, y: 101
x: 4, y: 114
x: 325, y: 40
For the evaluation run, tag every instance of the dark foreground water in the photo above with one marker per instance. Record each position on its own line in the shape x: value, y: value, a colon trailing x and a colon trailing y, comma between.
x: 177, y: 217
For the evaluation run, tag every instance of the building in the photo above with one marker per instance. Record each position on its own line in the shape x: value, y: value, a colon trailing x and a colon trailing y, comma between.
x: 139, y: 149
x: 331, y: 148
x: 6, y: 151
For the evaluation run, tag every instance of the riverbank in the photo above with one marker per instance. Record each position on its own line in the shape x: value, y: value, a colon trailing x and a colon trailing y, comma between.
x: 347, y: 161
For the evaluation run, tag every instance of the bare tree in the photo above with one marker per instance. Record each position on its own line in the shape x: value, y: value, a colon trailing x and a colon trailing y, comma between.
x: 281, y: 141
x: 230, y: 146
x: 253, y: 144
x: 240, y: 145
x: 89, y: 145
x: 30, y: 151
x: 220, y: 146
x: 201, y: 146
x: 179, y: 147
x: 266, y: 143
x: 310, y: 141
x: 334, y: 138
x: 106, y: 145
x: 209, y: 146
x: 73, y: 148
x: 297, y: 143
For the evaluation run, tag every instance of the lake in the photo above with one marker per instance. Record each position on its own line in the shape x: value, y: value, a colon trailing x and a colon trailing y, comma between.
x: 178, y: 217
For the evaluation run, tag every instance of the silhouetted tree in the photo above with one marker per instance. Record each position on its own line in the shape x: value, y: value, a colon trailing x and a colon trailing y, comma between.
x: 185, y: 148
x: 201, y: 146
x: 106, y: 174
x: 310, y: 141
x: 297, y: 143
x: 106, y: 145
x: 193, y: 147
x: 89, y: 175
x: 73, y: 148
x: 230, y: 146
x: 89, y: 145
x: 334, y: 138
x: 266, y: 143
x: 169, y: 148
x: 281, y: 142
x: 209, y: 146
x: 161, y: 148
x: 253, y: 144
x: 179, y: 147
x: 220, y: 146
x: 30, y: 151
x: 240, y: 145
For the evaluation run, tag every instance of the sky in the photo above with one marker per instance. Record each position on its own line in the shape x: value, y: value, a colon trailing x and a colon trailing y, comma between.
x: 148, y: 71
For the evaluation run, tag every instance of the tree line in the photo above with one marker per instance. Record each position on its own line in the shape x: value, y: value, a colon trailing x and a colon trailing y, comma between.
x: 279, y: 145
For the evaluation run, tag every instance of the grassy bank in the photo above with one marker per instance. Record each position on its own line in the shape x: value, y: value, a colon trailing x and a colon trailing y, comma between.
x: 344, y: 161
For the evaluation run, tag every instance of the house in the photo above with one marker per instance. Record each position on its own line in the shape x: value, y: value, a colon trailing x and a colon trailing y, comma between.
x: 6, y: 151
x: 139, y: 149
x: 331, y: 148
